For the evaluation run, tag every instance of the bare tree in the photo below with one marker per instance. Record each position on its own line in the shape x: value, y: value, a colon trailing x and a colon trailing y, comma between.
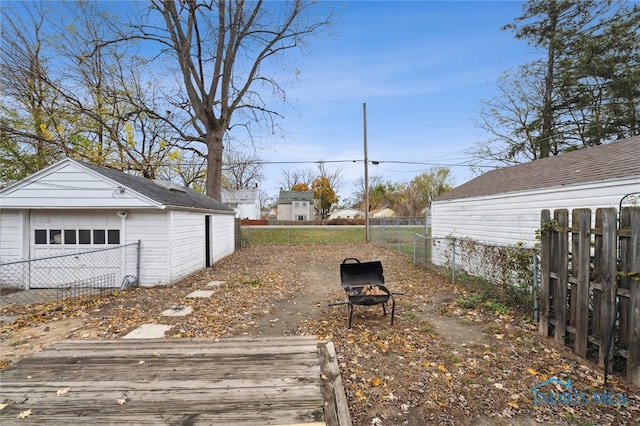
x: 223, y: 49
x: 241, y: 170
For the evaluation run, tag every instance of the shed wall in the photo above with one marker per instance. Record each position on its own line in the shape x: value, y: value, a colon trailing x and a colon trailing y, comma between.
x: 223, y: 236
x: 151, y: 227
x: 506, y: 219
x: 187, y: 236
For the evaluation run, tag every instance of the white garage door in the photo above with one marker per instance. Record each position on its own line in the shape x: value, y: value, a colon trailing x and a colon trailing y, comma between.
x: 55, y: 235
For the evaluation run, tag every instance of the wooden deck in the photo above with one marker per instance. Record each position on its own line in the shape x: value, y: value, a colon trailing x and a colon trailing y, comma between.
x: 233, y: 381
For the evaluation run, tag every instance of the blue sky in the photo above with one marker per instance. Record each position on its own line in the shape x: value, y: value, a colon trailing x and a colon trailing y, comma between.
x: 421, y: 67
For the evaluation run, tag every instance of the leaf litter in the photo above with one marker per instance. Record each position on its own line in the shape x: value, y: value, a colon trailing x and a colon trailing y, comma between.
x: 410, y: 373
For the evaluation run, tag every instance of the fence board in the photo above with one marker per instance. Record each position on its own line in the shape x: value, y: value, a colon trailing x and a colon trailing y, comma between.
x: 582, y: 218
x: 632, y: 273
x: 545, y: 267
x: 611, y: 272
x: 561, y: 269
x: 605, y: 273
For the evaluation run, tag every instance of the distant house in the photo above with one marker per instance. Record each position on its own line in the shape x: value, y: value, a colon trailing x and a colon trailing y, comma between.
x: 346, y: 214
x: 382, y: 212
x: 503, y: 206
x: 244, y: 202
x: 296, y: 205
x: 73, y: 207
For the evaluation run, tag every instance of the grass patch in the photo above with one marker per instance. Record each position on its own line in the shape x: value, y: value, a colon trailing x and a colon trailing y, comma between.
x: 303, y: 235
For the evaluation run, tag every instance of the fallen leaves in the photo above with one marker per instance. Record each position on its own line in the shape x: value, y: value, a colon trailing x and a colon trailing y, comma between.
x: 401, y: 374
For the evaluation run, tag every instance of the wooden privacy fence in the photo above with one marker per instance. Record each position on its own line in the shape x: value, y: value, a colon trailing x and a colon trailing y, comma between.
x: 588, y: 275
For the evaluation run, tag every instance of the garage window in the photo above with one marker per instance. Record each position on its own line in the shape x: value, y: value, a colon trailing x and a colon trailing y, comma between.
x: 55, y: 236
x: 41, y: 236
x: 79, y: 236
x: 84, y: 236
x: 98, y: 236
x: 70, y: 236
x: 113, y: 236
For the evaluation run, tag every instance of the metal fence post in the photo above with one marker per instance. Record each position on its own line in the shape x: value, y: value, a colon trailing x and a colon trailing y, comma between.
x: 138, y: 263
x: 453, y: 260
x: 536, y: 285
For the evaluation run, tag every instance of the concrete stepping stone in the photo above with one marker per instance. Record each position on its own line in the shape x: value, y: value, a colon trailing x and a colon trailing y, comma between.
x: 177, y: 311
x: 200, y: 294
x: 215, y: 283
x: 148, y: 331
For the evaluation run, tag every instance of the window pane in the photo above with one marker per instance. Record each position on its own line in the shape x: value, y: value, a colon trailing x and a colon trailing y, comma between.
x: 55, y: 236
x: 99, y: 236
x: 70, y: 236
x: 113, y: 236
x: 84, y: 236
x: 41, y: 236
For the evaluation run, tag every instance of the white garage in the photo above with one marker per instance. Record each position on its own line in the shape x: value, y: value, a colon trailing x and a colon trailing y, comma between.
x: 107, y: 220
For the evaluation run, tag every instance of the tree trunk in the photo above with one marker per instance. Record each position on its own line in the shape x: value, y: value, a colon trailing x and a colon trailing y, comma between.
x: 213, y: 140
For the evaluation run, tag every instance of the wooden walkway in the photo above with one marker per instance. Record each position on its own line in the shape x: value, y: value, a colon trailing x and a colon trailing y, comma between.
x: 232, y: 381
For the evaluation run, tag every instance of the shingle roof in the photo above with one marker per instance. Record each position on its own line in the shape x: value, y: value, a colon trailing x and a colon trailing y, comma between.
x: 287, y: 197
x: 189, y: 198
x: 615, y: 160
x: 239, y: 195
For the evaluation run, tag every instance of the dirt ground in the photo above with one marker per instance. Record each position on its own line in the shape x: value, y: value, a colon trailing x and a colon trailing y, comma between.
x: 438, y: 363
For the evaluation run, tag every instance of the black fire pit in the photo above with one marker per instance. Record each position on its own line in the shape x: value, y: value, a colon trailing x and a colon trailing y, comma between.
x: 363, y: 283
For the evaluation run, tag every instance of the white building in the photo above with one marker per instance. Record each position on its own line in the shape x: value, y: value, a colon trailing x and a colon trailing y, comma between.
x: 348, y: 213
x: 296, y: 205
x: 244, y: 202
x: 72, y: 207
x: 503, y: 206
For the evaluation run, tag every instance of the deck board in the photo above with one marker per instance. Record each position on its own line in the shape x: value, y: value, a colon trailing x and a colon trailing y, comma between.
x: 247, y: 381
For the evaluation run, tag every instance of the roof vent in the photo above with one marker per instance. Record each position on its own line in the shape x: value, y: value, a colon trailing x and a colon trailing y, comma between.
x: 171, y: 186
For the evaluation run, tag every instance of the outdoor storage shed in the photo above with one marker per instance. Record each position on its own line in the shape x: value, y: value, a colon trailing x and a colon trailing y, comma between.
x: 74, y: 207
x: 503, y: 206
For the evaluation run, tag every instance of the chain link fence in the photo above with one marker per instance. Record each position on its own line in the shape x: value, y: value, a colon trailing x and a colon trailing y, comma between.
x: 69, y: 275
x: 510, y: 273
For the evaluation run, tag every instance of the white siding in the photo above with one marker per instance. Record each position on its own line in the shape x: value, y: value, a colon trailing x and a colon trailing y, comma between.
x: 248, y: 211
x: 11, y: 235
x: 72, y: 187
x: 187, y: 243
x: 505, y: 219
x: 223, y: 236
x: 150, y: 227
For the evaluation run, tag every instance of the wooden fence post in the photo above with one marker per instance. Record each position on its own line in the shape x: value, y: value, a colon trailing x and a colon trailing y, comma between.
x: 561, y: 243
x: 545, y: 268
x: 605, y: 265
x: 633, y: 274
x: 581, y: 225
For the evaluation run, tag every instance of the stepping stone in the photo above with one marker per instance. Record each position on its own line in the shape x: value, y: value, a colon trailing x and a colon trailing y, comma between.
x: 200, y: 294
x: 148, y: 331
x: 177, y: 311
x: 215, y: 283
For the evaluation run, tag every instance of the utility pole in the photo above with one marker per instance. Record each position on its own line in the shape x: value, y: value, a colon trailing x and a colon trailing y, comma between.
x: 366, y: 176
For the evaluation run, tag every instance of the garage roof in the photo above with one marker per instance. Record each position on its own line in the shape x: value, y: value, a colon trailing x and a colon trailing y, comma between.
x: 42, y: 190
x: 615, y: 160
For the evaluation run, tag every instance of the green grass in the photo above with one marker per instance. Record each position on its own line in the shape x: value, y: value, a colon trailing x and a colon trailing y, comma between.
x: 303, y: 235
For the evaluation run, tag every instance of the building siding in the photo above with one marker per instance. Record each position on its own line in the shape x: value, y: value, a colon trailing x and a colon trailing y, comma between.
x: 187, y: 243
x: 72, y: 187
x: 150, y: 228
x: 507, y: 219
x: 11, y: 235
x: 223, y: 236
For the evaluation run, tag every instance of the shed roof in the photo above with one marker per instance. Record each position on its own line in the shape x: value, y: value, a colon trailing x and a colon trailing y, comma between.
x: 183, y: 197
x: 161, y: 193
x: 615, y: 160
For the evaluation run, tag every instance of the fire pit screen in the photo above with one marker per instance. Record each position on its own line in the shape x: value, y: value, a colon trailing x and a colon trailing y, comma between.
x: 363, y: 283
